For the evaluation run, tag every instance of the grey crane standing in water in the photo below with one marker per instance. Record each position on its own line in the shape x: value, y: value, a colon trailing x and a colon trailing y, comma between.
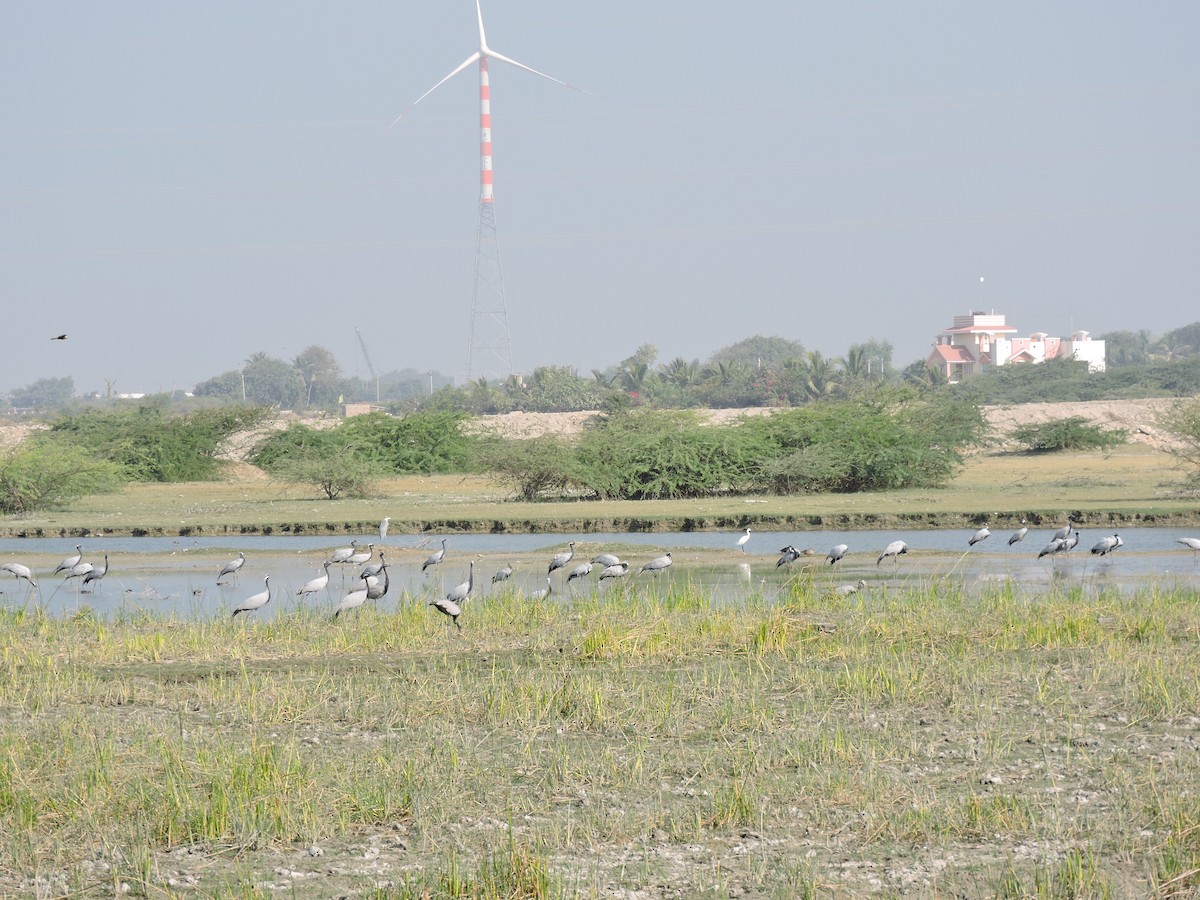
x: 836, y: 553
x: 374, y: 568
x: 343, y: 554
x: 257, y: 602
x: 658, y: 564
x: 895, y: 550
x: 361, y: 556
x: 79, y: 570
x: 1069, y: 543
x: 583, y: 570
x: 616, y: 570
x: 460, y: 594
x: 981, y: 535
x: 19, y: 571
x: 352, y: 600
x: 1019, y: 534
x: 1051, y: 548
x: 375, y: 587
x: 1192, y: 544
x: 96, y: 574
x: 317, y: 584
x: 233, y: 566
x: 790, y: 555
x: 70, y: 562
x: 434, y: 558
x: 741, y: 542
x: 606, y: 560
x: 1065, y: 532
x: 561, y: 559
x: 502, y: 574
x: 1107, y: 545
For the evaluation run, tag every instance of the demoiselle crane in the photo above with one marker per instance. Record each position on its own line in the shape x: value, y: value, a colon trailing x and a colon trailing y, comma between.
x: 257, y: 602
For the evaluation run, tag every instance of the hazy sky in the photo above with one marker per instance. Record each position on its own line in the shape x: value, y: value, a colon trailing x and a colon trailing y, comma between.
x: 186, y: 184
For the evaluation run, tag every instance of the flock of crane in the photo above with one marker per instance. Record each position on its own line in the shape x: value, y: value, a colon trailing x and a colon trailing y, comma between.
x: 375, y: 580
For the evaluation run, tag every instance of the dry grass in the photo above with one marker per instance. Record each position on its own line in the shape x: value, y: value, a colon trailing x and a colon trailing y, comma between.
x: 911, y: 741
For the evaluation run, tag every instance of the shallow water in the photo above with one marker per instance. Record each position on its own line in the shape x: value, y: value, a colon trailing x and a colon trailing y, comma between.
x: 177, y: 576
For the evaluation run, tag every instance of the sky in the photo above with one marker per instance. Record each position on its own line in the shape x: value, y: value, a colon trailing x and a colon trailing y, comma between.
x: 184, y: 185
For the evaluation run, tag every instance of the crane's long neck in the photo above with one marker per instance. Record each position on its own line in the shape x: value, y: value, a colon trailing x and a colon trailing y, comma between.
x: 485, y: 133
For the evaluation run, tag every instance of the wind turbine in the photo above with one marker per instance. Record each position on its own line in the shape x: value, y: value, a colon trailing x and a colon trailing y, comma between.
x: 489, y: 315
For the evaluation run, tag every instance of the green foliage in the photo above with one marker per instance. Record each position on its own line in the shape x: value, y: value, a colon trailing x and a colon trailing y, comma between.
x: 419, y: 443
x: 535, y: 468
x: 652, y: 454
x: 150, y: 444
x: 759, y: 350
x: 890, y: 441
x: 335, y: 473
x: 1072, y: 433
x: 1182, y: 422
x: 43, y: 473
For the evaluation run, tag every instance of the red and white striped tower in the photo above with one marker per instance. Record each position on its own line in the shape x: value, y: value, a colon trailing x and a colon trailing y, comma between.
x: 489, y: 316
x: 489, y: 348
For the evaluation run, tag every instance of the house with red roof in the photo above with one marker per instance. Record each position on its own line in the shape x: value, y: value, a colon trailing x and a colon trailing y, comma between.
x: 980, y: 340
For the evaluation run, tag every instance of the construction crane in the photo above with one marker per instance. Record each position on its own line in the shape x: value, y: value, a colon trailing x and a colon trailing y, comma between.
x: 370, y: 365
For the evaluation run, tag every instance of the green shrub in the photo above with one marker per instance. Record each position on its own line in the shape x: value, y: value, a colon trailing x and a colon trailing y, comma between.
x: 41, y: 472
x: 1072, y: 433
x: 535, y: 468
x: 419, y: 443
x: 151, y: 444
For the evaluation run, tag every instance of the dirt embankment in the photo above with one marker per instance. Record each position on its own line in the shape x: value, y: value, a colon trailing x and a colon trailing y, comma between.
x: 1137, y: 417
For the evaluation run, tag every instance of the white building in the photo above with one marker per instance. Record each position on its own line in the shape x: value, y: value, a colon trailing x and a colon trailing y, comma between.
x: 979, y: 340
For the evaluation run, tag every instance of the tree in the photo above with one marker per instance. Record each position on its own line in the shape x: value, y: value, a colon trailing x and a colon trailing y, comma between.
x: 1182, y: 421
x: 228, y: 384
x: 1126, y: 348
x: 45, y: 393
x: 320, y: 373
x: 272, y: 382
x: 759, y: 351
x: 41, y: 472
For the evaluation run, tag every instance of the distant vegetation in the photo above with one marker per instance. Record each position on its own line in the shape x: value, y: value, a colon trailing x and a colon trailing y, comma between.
x: 1072, y: 433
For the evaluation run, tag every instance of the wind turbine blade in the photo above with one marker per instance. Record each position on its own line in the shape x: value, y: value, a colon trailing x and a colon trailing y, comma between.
x: 479, y: 15
x: 474, y: 57
x: 512, y: 62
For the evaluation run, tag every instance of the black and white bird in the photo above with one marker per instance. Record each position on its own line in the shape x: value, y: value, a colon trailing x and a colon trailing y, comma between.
x: 1192, y: 544
x: 462, y: 592
x: 502, y: 574
x: 434, y: 558
x: 96, y: 574
x: 232, y: 567
x: 1107, y: 545
x: 358, y: 557
x: 544, y: 593
x: 658, y: 564
x: 895, y: 550
x: 20, y: 572
x: 79, y: 570
x: 383, y: 528
x: 981, y: 535
x: 583, y: 570
x: 561, y: 559
x: 70, y: 562
x: 789, y: 555
x: 606, y: 560
x: 374, y: 568
x: 836, y: 553
x: 741, y: 542
x: 1065, y: 532
x: 1070, y: 542
x: 377, y: 585
x: 317, y: 584
x: 1019, y: 535
x: 448, y: 608
x: 257, y: 602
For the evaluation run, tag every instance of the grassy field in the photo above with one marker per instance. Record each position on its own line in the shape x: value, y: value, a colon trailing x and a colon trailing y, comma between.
x: 1132, y: 484
x: 647, y: 744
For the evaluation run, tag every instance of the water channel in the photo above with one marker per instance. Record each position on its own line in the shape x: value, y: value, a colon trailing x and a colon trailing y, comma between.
x: 177, y: 576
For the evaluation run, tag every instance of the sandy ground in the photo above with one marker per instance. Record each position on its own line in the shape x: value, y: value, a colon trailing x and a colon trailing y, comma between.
x: 1138, y: 417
